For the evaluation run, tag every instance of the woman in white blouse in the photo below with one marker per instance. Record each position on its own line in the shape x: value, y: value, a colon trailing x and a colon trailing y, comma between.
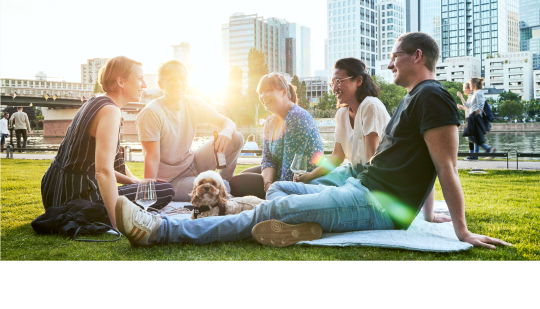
x: 360, y: 122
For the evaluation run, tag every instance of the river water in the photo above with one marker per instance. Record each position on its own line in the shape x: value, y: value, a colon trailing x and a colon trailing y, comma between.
x: 522, y: 141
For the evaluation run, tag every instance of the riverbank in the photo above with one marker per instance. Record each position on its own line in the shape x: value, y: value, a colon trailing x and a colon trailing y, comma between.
x: 480, y: 164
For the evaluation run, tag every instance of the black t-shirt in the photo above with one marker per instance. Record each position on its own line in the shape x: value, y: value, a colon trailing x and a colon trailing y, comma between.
x: 402, y: 174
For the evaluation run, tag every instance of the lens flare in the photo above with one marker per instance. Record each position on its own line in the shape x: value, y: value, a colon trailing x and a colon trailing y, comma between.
x: 317, y: 158
x: 397, y: 210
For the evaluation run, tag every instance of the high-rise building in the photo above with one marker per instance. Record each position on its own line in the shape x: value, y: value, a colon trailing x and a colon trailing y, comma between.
x: 225, y: 47
x: 182, y: 53
x: 352, y: 31
x: 391, y: 24
x: 412, y: 18
x: 478, y: 28
x: 529, y: 28
x: 429, y: 20
x: 90, y: 70
x: 286, y: 45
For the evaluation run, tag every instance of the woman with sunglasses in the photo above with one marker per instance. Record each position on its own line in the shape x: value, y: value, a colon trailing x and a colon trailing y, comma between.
x: 360, y: 122
x: 289, y: 131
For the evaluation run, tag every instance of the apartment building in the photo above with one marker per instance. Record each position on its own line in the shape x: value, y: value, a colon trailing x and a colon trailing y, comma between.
x: 315, y: 87
x: 511, y: 72
x: 90, y: 70
x: 536, y: 87
x: 458, y: 69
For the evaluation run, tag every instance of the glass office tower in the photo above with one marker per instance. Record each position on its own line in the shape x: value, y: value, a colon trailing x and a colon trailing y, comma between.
x: 430, y: 18
x: 352, y: 31
x: 529, y: 28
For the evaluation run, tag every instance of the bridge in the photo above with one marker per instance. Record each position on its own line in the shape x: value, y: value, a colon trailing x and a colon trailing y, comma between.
x: 59, y: 113
x: 60, y: 102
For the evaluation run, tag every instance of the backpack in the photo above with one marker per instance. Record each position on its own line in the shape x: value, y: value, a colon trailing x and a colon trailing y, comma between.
x: 488, y: 112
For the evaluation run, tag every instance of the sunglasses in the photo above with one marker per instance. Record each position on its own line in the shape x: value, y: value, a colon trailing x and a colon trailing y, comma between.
x: 274, y: 74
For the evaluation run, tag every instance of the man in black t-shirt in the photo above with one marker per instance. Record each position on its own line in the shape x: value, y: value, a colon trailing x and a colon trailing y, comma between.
x: 420, y: 143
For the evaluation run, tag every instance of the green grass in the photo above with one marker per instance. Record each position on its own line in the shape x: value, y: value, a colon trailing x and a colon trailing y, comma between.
x: 503, y: 204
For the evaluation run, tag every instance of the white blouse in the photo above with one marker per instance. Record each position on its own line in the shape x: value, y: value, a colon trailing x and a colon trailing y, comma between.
x: 371, y: 117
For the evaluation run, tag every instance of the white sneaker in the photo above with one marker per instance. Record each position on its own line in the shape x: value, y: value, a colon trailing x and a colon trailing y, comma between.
x: 139, y: 226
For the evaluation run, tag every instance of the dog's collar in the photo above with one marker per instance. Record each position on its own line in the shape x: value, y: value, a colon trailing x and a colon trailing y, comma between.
x: 200, y: 209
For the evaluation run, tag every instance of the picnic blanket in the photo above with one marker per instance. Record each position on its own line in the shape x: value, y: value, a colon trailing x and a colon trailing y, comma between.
x: 420, y: 236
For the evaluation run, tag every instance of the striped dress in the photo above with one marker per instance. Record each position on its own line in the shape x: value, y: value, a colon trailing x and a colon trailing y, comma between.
x: 72, y: 173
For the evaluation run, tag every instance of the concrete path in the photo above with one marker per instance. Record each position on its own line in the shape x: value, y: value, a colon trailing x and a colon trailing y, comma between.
x: 246, y: 160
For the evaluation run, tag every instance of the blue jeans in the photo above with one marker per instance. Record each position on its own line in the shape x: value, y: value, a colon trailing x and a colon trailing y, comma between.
x: 350, y: 207
x: 477, y: 147
x: 337, y: 177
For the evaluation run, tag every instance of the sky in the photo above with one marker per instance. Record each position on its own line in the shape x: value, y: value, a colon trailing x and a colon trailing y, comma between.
x: 57, y: 36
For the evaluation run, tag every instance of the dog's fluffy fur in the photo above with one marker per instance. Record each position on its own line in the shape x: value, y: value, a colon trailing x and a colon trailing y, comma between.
x: 209, y: 190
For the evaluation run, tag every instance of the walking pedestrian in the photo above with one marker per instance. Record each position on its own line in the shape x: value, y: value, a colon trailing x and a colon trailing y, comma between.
x: 4, y: 132
x: 467, y: 108
x: 20, y: 121
x: 477, y: 106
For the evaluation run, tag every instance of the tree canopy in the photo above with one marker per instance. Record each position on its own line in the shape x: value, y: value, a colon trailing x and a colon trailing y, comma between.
x: 97, y: 88
x: 257, y: 68
x: 390, y: 94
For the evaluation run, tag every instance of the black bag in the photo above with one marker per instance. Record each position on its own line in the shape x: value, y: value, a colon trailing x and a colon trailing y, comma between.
x: 75, y: 217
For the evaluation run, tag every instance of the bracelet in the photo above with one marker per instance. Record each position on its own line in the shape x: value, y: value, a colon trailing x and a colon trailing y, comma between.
x: 268, y: 182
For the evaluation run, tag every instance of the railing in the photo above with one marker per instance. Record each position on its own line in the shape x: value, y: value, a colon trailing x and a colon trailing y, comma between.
x: 128, y: 153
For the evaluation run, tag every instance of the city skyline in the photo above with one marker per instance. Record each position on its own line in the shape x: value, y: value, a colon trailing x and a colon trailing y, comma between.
x: 58, y: 36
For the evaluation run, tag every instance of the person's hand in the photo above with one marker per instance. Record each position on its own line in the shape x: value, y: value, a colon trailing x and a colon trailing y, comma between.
x: 459, y: 95
x: 461, y: 107
x: 477, y: 111
x: 305, y: 178
x: 221, y: 143
x: 483, y: 241
x: 441, y: 218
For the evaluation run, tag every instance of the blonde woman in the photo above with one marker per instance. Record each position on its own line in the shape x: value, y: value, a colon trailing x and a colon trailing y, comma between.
x: 87, y: 165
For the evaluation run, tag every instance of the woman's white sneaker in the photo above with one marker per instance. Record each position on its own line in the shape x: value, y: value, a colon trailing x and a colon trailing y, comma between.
x: 139, y: 226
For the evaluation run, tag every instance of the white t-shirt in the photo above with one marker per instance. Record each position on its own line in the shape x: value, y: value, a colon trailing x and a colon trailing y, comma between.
x: 251, y: 146
x: 175, y: 131
x: 4, y: 126
x: 371, y: 117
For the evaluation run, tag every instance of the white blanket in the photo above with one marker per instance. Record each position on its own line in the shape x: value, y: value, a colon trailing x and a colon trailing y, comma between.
x: 420, y: 236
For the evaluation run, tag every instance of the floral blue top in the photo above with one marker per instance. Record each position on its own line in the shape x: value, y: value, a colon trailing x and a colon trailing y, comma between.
x: 297, y: 135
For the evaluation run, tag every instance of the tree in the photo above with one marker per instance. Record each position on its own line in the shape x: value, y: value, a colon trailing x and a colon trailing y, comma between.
x: 328, y: 101
x: 97, y: 88
x: 532, y: 107
x: 301, y: 88
x: 233, y: 96
x: 509, y: 96
x: 390, y: 94
x: 257, y: 68
x: 510, y: 109
x: 453, y: 88
x: 303, y: 101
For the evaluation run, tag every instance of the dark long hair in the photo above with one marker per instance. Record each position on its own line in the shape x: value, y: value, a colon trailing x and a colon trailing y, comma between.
x: 356, y: 67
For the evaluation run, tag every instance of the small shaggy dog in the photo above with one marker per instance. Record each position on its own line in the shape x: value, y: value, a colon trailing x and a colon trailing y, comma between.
x: 209, y: 198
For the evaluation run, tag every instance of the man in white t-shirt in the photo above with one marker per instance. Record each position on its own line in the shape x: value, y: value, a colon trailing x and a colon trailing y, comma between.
x: 167, y: 128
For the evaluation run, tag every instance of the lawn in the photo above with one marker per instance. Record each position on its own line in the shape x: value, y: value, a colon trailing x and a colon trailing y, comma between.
x: 503, y: 204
